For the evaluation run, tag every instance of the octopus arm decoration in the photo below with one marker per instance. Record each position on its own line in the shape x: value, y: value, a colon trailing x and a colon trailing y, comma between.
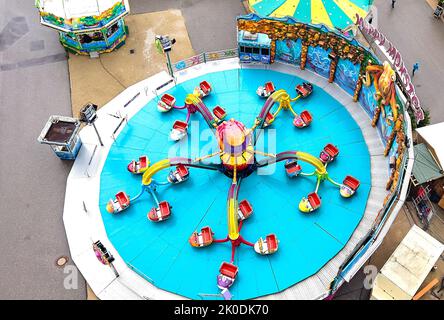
x: 384, y: 83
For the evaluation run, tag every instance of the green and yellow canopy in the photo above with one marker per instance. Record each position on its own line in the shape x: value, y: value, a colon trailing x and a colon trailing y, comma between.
x: 332, y: 13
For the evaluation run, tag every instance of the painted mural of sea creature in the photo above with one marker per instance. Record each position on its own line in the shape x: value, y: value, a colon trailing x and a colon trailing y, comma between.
x: 289, y: 51
x: 319, y: 61
x: 384, y: 82
x: 346, y: 75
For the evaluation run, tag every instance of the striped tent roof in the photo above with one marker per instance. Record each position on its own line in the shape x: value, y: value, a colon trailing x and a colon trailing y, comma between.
x: 332, y: 13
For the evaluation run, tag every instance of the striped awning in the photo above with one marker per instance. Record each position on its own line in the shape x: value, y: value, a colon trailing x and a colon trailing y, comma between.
x: 425, y: 167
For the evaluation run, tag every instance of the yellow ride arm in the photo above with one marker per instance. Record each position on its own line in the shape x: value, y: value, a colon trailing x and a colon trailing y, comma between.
x: 314, y: 161
x: 277, y: 111
x: 233, y: 227
x: 295, y: 98
x: 281, y: 96
x: 232, y: 207
x: 160, y: 165
x: 278, y: 94
x: 192, y: 99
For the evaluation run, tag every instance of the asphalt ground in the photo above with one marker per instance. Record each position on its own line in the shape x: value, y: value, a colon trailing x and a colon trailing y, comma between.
x: 34, y: 84
x: 411, y: 27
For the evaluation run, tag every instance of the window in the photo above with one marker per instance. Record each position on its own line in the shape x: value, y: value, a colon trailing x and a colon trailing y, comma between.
x: 111, y: 30
x: 256, y: 50
x: 70, y: 35
x: 248, y: 50
x: 242, y: 49
x: 90, y: 37
x: 98, y: 36
x: 265, y: 51
x: 85, y: 38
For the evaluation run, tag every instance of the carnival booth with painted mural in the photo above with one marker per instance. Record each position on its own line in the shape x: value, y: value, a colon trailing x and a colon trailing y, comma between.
x: 88, y: 26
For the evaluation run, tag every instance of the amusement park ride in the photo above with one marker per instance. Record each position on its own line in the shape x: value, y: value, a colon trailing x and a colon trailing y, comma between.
x: 237, y: 155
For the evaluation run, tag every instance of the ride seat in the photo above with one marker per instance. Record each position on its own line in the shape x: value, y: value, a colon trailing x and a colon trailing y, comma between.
x: 168, y: 99
x: 269, y: 87
x: 272, y: 242
x: 180, y: 125
x: 306, y: 117
x: 228, y: 270
x: 314, y: 200
x: 205, y: 87
x: 351, y: 182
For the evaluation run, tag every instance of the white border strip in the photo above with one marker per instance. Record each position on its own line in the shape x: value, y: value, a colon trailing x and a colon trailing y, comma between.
x: 394, y: 213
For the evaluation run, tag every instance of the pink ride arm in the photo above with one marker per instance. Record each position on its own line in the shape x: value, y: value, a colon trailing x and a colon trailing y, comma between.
x: 202, y: 108
x: 271, y: 100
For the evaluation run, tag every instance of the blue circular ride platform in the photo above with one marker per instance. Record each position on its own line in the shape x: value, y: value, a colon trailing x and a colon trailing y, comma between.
x: 161, y: 251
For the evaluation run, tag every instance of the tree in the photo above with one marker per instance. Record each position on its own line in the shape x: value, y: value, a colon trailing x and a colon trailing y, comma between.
x: 426, y: 120
x: 422, y: 123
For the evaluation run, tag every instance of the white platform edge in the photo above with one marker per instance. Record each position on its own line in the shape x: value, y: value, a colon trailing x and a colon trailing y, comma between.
x: 83, y: 185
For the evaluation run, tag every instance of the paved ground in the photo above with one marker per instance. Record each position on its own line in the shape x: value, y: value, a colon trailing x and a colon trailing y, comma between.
x: 100, y: 80
x: 210, y: 23
x: 355, y: 290
x: 419, y: 37
x: 33, y: 85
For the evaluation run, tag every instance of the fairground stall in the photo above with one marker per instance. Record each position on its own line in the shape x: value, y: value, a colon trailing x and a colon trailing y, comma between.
x: 62, y: 135
x: 427, y: 180
x: 86, y: 27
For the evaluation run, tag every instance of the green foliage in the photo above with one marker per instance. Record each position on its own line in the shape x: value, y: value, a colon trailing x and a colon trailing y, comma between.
x: 426, y: 120
x: 421, y: 123
x: 412, y: 118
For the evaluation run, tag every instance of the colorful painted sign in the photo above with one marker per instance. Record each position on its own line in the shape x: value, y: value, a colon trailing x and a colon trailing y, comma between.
x: 396, y: 61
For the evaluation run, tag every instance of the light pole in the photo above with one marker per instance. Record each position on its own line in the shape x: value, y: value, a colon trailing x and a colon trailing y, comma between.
x: 88, y: 115
x: 165, y: 44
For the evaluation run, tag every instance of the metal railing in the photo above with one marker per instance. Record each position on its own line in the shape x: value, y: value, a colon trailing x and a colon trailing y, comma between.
x: 204, y: 58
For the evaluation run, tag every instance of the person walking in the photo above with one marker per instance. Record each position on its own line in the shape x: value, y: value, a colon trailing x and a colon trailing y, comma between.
x: 415, y: 68
x: 393, y: 4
